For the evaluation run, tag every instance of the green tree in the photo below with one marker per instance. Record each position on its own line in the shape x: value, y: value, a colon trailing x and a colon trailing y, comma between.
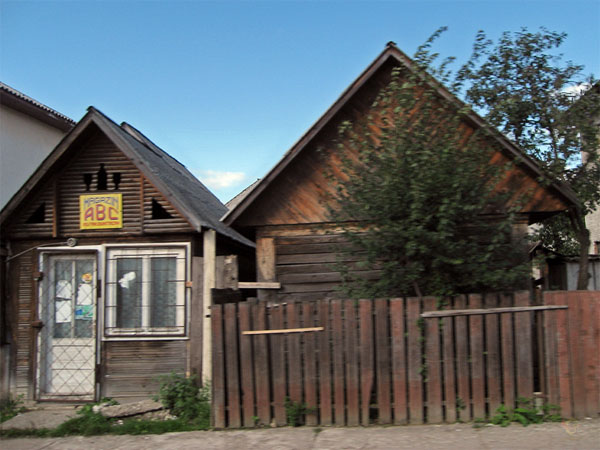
x: 419, y: 198
x: 524, y: 88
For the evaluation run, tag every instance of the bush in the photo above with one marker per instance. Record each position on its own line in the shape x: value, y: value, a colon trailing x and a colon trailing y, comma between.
x: 526, y: 413
x: 185, y: 399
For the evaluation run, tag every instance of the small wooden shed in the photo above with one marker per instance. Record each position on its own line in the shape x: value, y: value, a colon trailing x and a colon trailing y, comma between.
x: 109, y: 255
x: 287, y: 211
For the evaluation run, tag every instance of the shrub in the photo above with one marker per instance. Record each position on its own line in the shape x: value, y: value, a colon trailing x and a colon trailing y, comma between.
x: 185, y: 399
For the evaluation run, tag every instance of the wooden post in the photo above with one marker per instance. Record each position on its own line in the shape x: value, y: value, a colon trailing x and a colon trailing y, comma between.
x: 265, y: 266
x: 210, y: 257
x: 195, y: 323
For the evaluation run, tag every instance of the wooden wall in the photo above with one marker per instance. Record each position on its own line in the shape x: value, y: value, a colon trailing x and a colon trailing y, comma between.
x: 301, y: 193
x: 61, y: 190
x: 131, y: 368
x: 305, y: 260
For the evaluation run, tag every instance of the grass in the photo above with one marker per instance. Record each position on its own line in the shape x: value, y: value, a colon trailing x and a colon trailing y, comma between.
x: 10, y: 407
x: 89, y: 423
x: 182, y: 396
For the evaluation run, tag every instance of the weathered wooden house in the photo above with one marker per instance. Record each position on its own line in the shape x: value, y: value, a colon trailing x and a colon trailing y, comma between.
x: 109, y: 256
x: 287, y: 211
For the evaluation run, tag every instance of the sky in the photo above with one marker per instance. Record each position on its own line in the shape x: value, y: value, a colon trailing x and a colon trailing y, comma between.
x: 227, y: 87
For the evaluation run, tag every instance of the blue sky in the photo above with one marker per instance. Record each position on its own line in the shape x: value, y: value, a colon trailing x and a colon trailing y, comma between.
x: 227, y: 87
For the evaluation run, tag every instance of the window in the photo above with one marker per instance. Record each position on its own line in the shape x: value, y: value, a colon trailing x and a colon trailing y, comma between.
x: 145, y: 291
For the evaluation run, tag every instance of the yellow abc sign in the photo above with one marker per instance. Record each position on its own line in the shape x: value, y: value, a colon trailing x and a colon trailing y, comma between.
x: 98, y: 211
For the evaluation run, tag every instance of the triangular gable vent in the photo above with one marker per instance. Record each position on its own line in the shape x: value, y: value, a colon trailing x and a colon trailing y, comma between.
x: 159, y: 212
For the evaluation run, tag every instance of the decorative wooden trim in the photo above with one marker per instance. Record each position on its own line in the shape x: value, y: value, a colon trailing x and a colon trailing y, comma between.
x: 282, y: 331
x: 259, y: 285
x: 473, y: 312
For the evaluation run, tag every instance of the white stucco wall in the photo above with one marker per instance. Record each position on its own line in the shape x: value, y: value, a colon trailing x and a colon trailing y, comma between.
x: 24, y: 144
x: 593, y: 224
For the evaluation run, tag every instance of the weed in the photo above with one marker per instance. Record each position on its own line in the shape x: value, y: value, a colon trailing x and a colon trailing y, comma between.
x: 296, y: 412
x: 10, y: 407
x: 185, y: 399
x: 526, y: 413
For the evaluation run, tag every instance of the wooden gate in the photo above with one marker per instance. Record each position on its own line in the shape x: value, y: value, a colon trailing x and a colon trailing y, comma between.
x: 404, y: 360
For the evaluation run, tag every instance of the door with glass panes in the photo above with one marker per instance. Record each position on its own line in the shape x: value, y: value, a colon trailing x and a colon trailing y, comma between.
x: 67, y: 340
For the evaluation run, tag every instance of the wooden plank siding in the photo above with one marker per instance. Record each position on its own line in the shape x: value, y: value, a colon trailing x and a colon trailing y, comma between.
x: 298, y: 191
x: 381, y: 361
x: 131, y: 367
x: 22, y: 303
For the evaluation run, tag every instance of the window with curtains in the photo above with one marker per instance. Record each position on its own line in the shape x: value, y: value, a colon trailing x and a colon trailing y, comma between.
x: 146, y: 292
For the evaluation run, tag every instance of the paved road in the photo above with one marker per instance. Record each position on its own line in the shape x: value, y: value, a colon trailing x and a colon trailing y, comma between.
x: 582, y: 435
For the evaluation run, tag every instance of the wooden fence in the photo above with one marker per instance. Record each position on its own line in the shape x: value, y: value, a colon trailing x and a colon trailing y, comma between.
x: 388, y: 361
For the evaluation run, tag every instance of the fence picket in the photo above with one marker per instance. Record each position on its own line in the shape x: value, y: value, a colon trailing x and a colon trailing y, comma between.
x: 434, y: 369
x: 338, y: 362
x: 262, y: 374
x: 462, y: 361
x: 218, y: 368
x: 310, y: 368
x: 508, y: 354
x: 232, y: 367
x: 524, y: 349
x: 415, y: 361
x: 325, y: 365
x: 294, y: 363
x: 366, y: 358
x: 492, y: 356
x: 449, y: 383
x: 382, y: 361
x: 351, y: 350
x: 246, y: 366
x: 278, y: 365
x: 477, y: 362
x: 399, y: 361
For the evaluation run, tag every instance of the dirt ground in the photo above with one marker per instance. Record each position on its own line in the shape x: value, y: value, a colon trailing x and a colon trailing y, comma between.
x: 581, y: 435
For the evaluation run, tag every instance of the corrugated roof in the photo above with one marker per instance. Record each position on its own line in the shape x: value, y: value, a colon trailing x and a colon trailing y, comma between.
x: 21, y: 102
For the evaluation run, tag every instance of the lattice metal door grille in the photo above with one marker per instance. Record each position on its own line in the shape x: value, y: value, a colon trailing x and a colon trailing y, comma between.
x: 67, y: 341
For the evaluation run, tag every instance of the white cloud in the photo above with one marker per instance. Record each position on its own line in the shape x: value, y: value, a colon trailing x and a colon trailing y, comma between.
x: 576, y: 90
x: 216, y: 179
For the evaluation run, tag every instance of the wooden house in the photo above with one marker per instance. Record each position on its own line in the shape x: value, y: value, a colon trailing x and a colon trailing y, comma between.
x: 109, y: 255
x: 287, y: 211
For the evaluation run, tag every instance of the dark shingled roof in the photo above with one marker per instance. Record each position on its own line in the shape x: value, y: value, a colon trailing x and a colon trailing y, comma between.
x: 187, y: 194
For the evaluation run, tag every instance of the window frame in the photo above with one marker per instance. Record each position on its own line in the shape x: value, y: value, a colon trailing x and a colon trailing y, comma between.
x: 110, y: 330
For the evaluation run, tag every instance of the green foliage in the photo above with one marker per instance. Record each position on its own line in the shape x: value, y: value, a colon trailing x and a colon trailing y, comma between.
x: 10, y: 407
x: 526, y: 413
x: 550, y: 108
x: 89, y: 423
x: 185, y: 399
x: 557, y: 235
x: 296, y: 412
x: 432, y: 215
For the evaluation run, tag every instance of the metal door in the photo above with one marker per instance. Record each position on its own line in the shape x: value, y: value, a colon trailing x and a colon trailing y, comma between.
x: 67, y: 340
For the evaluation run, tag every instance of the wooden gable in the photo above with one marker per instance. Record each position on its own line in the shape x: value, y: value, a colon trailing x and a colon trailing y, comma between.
x: 51, y: 208
x: 297, y: 191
